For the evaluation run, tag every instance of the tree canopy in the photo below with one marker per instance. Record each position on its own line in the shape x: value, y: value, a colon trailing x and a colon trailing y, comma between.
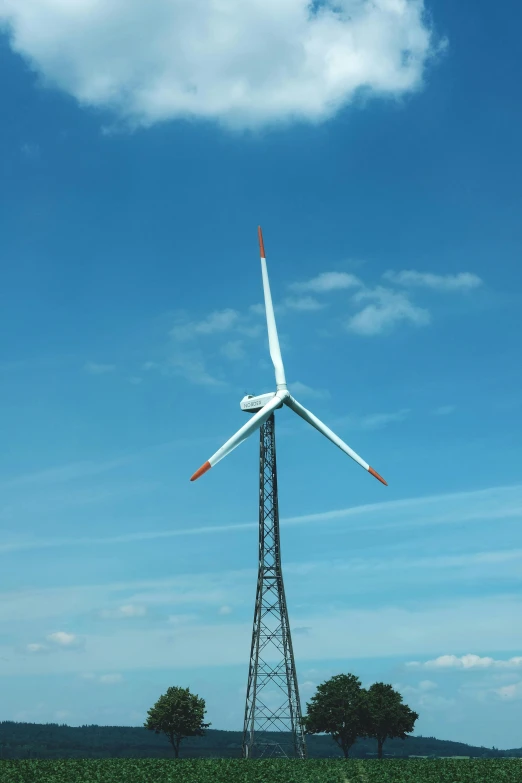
x: 341, y: 708
x: 337, y: 708
x: 385, y: 716
x: 177, y: 714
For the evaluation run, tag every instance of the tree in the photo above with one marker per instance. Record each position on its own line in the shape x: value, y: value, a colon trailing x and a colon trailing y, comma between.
x: 337, y: 708
x: 385, y: 716
x: 177, y: 714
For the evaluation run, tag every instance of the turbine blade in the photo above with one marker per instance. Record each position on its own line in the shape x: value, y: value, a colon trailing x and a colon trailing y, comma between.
x: 251, y: 426
x: 327, y: 432
x: 273, y: 339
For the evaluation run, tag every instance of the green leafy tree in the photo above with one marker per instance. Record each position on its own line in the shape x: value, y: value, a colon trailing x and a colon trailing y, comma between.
x: 385, y: 716
x: 177, y: 714
x: 337, y: 708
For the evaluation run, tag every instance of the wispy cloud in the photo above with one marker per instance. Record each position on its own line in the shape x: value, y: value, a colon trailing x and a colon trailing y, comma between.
x: 104, y: 679
x: 195, y: 345
x: 302, y: 390
x: 511, y: 692
x: 55, y: 641
x: 467, y: 662
x: 444, y: 410
x: 233, y: 350
x: 125, y: 611
x: 31, y: 151
x: 327, y: 281
x: 464, y: 281
x: 419, y: 630
x: 64, y: 473
x: 216, y: 322
x: 94, y: 368
x: 303, y: 304
x: 387, y: 308
x: 372, y: 421
x: 451, y: 508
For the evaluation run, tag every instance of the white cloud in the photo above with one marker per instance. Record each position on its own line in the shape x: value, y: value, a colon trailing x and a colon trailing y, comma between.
x: 225, y: 610
x: 417, y: 630
x: 127, y: 610
x: 444, y: 410
x: 233, y: 350
x: 464, y: 281
x: 375, y: 421
x: 110, y: 679
x: 63, y: 638
x: 181, y: 619
x: 303, y: 304
x: 302, y: 390
x: 36, y: 648
x: 217, y: 322
x: 104, y: 679
x: 387, y: 309
x: 94, y: 368
x: 327, y: 281
x: 190, y: 365
x: 443, y: 509
x: 31, y: 151
x: 427, y: 685
x: 468, y: 662
x: 510, y: 692
x: 244, y: 64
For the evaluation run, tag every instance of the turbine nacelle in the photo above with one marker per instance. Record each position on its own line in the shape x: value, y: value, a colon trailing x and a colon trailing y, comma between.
x: 253, y: 403
x: 263, y: 405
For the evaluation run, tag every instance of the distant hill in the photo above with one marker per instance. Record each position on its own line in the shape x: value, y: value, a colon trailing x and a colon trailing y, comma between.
x: 50, y: 740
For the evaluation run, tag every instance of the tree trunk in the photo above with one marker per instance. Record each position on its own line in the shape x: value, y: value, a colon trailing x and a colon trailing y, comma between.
x: 380, y: 743
x: 175, y: 744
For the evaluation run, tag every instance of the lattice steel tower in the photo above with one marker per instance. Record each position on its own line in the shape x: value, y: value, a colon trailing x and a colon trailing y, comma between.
x: 272, y: 701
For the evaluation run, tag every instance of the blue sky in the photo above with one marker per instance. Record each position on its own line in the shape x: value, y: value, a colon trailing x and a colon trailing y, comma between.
x: 138, y: 154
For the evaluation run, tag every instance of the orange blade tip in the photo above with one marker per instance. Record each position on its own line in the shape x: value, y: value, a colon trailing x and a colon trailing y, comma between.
x: 374, y: 473
x: 261, y: 243
x: 203, y: 469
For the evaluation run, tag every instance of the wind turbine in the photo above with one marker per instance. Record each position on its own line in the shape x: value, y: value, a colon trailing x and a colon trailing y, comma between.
x: 265, y: 404
x: 272, y: 664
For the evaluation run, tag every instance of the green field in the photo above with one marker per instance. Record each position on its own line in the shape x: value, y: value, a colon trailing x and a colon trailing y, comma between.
x: 262, y: 771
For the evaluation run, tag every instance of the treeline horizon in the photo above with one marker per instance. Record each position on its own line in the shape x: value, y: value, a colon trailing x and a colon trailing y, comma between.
x: 21, y: 740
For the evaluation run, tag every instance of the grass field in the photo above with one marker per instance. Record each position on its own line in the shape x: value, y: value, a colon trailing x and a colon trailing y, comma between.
x: 262, y: 771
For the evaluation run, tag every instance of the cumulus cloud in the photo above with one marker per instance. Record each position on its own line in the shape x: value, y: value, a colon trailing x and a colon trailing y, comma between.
x: 241, y: 64
x: 468, y: 662
x: 464, y: 281
x: 386, y: 309
x: 327, y: 281
x: 63, y: 639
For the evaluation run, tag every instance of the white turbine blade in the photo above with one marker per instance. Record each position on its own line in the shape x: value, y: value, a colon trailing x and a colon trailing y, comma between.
x: 327, y: 432
x: 251, y: 426
x: 273, y: 339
